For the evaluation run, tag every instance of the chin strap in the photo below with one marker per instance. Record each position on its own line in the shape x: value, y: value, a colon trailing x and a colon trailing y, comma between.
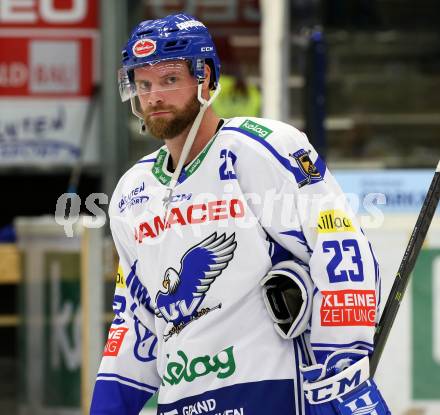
x: 204, y: 104
x: 135, y: 111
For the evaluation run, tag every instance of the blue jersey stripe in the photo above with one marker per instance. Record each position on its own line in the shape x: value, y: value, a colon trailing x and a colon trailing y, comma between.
x: 131, y: 274
x: 345, y: 345
x: 277, y: 252
x: 285, y: 162
x: 128, y: 380
x: 111, y: 397
x: 301, y: 239
x: 253, y: 398
x: 320, y: 165
x: 146, y: 161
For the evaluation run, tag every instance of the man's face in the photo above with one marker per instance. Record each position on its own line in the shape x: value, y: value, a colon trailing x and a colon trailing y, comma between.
x: 168, y: 97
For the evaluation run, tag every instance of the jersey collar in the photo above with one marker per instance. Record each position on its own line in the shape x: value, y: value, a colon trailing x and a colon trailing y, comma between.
x: 161, y: 173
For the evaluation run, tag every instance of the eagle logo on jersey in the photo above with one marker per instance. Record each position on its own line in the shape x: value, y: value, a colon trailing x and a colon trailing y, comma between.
x: 308, y: 170
x: 186, y: 289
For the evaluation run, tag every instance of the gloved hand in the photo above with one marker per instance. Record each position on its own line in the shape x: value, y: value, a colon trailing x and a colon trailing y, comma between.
x: 342, y: 386
x: 288, y: 294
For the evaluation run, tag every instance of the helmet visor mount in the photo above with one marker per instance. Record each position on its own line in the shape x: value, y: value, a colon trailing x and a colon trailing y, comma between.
x: 160, y: 76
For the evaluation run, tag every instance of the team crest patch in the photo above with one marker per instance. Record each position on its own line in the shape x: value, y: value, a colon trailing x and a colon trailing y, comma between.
x: 308, y: 170
x: 184, y: 296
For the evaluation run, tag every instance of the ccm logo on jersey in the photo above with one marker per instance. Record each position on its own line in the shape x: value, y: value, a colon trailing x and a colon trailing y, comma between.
x: 348, y: 308
x: 334, y: 221
x: 193, y: 214
x: 114, y: 342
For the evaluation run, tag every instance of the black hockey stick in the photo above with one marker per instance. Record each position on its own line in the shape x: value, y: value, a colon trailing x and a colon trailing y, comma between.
x: 406, y: 266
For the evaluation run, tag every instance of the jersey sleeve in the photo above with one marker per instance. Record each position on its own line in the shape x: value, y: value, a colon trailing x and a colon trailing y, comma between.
x: 307, y: 218
x: 127, y: 376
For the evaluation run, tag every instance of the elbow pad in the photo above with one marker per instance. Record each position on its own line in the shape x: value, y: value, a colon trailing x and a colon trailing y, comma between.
x: 288, y: 295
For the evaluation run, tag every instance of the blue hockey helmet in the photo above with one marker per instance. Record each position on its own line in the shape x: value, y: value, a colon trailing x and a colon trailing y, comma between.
x: 174, y: 37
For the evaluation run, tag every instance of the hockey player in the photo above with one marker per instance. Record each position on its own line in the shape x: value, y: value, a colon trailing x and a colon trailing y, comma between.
x: 245, y: 284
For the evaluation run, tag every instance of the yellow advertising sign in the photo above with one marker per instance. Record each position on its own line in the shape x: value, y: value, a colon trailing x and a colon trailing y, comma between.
x: 120, y: 279
x: 334, y: 221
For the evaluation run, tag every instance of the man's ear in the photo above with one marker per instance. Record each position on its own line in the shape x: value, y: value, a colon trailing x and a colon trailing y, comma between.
x: 207, y: 80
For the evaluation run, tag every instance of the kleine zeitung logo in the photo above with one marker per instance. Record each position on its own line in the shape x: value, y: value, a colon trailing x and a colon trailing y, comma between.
x: 114, y: 341
x: 348, y: 308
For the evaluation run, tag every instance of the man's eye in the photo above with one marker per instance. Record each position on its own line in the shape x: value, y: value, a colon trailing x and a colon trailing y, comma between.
x: 171, y: 80
x: 143, y: 85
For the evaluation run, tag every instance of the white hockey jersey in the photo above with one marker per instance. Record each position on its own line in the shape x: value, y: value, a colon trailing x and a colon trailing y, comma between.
x: 190, y: 319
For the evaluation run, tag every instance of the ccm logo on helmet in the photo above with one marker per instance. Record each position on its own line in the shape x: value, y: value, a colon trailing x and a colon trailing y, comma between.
x: 144, y: 47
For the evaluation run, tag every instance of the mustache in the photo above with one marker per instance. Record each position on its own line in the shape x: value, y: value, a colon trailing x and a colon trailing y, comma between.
x: 158, y: 109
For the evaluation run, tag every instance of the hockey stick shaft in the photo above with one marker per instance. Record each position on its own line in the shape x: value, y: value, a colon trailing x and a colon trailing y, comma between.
x: 406, y: 266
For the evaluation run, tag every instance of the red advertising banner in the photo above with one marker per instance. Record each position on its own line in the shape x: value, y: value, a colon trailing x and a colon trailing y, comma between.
x: 73, y: 14
x: 46, y: 67
x: 114, y: 342
x: 48, y: 70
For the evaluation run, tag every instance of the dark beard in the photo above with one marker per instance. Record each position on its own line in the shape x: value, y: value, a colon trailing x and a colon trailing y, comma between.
x: 162, y: 128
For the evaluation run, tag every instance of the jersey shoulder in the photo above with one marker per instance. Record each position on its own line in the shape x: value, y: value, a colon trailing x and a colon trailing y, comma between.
x: 272, y: 145
x: 132, y: 184
x: 267, y: 140
x: 265, y: 134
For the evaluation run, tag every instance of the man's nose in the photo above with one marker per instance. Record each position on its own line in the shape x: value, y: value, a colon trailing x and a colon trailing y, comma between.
x: 155, y: 97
